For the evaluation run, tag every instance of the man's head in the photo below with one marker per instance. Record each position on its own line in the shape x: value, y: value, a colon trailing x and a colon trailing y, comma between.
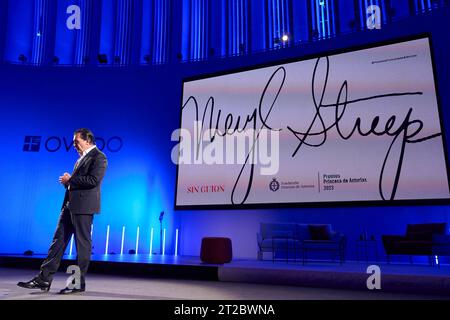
x: 83, y: 139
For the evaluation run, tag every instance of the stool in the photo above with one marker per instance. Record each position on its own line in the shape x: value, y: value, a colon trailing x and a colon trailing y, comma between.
x: 216, y: 250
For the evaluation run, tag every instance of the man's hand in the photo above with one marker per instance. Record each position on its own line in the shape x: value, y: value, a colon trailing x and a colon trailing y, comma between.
x: 64, y: 179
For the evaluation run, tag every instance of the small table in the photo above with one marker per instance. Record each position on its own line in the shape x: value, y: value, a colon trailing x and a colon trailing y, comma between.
x: 364, y: 247
x: 284, y: 244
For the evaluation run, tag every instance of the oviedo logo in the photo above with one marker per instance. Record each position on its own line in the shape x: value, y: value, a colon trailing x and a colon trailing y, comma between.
x: 274, y: 185
x: 54, y: 144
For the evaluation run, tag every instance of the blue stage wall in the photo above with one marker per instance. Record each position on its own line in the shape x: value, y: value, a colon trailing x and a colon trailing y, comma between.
x: 136, y: 109
x: 123, y: 107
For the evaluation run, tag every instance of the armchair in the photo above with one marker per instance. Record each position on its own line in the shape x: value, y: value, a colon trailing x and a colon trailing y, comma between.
x: 420, y: 239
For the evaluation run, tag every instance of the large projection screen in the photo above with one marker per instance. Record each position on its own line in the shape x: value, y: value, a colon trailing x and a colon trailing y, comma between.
x: 360, y: 126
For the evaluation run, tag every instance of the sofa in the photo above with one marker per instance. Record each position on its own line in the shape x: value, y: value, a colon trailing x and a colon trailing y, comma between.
x: 426, y: 239
x: 294, y: 240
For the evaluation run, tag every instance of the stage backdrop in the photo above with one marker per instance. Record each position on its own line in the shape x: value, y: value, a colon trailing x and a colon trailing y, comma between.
x: 361, y: 125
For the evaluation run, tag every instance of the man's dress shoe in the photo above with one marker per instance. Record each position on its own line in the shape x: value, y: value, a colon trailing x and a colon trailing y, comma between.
x: 66, y: 290
x: 36, y: 283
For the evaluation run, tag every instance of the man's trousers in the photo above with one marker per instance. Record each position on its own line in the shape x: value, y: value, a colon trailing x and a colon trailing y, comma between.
x: 68, y: 224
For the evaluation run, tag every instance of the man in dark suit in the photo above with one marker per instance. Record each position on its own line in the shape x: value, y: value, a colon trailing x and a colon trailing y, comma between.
x: 81, y: 202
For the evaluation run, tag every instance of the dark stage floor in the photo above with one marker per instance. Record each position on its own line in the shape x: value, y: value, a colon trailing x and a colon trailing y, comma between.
x: 404, y: 280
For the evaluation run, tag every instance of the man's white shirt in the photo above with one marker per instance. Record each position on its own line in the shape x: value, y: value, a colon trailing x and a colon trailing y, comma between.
x: 85, y: 152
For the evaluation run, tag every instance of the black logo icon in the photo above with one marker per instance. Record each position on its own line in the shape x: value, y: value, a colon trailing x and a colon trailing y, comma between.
x: 32, y: 144
x: 274, y: 185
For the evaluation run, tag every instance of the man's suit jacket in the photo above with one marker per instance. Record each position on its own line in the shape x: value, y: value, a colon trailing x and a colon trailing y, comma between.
x: 84, y: 188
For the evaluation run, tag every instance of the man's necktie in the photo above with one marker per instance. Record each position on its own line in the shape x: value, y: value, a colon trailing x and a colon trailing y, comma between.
x: 75, y: 167
x: 77, y: 164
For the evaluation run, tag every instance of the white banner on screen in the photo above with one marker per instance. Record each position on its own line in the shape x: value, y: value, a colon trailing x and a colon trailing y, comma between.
x: 355, y: 126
